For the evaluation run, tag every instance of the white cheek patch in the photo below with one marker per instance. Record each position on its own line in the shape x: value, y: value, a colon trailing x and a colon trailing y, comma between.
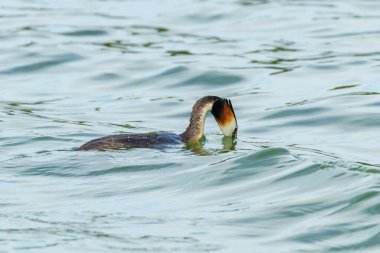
x: 229, y: 128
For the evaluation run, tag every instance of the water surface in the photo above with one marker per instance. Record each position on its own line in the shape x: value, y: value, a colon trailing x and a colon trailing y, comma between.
x: 303, y: 77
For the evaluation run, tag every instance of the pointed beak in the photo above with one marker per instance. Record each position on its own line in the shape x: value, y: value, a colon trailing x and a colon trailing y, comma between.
x: 225, y: 117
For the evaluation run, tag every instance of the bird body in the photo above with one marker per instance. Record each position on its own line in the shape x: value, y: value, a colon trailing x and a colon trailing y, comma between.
x: 221, y: 109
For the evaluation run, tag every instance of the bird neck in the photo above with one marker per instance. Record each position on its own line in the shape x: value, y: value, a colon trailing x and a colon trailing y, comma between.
x: 195, y: 129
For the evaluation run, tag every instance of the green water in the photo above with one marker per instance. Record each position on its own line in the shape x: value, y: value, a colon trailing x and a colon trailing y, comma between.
x: 303, y: 76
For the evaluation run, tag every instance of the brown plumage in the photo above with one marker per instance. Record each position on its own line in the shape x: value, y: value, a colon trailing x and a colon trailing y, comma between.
x: 221, y: 109
x: 195, y: 129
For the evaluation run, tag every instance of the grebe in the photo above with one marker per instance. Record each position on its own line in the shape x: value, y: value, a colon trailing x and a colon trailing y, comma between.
x: 220, y: 108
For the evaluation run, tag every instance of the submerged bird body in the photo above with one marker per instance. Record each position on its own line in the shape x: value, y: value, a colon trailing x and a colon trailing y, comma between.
x: 126, y: 141
x: 221, y: 109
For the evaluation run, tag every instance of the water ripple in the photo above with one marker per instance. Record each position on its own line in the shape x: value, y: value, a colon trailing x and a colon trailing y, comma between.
x: 57, y: 60
x: 302, y: 176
